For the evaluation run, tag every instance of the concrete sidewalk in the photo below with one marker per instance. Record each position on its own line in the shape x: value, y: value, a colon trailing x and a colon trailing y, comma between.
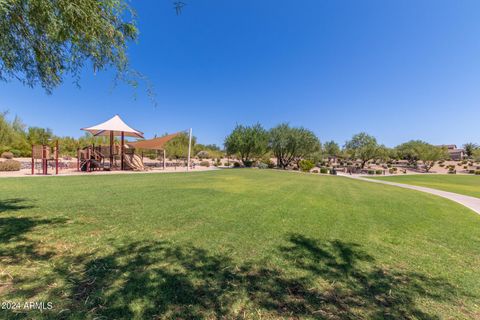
x: 467, y: 201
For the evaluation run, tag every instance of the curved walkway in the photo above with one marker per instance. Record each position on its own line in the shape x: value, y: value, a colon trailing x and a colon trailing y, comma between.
x: 467, y: 201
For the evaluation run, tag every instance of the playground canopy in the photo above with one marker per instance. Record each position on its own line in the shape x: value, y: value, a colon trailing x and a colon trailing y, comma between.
x: 152, y: 144
x: 116, y: 126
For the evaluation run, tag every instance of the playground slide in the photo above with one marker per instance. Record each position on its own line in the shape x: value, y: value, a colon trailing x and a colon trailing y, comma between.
x: 134, y: 162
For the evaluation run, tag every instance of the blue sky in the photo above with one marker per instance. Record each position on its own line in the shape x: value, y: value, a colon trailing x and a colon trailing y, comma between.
x: 399, y: 70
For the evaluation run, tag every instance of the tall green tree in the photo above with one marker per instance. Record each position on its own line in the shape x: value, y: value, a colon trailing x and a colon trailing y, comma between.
x: 363, y: 147
x: 470, y: 148
x: 430, y: 154
x: 476, y: 155
x: 177, y: 148
x: 43, y: 40
x: 249, y: 143
x: 290, y: 144
x: 331, y: 149
x: 36, y: 135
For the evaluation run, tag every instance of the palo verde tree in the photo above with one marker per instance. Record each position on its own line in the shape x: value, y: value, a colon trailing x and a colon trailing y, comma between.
x: 289, y: 144
x: 470, y: 148
x: 331, y: 149
x: 430, y: 154
x: 363, y: 147
x: 249, y: 143
x: 43, y: 40
x: 177, y: 148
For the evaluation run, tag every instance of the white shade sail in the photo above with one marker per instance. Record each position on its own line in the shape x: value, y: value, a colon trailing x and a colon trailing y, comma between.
x: 115, y: 125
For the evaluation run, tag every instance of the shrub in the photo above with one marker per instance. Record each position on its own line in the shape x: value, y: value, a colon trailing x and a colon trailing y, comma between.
x: 203, y: 155
x: 205, y: 164
x: 248, y: 163
x: 262, y: 165
x: 465, y: 167
x: 324, y: 170
x: 7, y: 155
x: 227, y: 164
x: 306, y: 165
x: 391, y: 171
x: 379, y: 172
x: 471, y: 171
x: 477, y: 172
x: 315, y: 171
x: 236, y: 164
x: 441, y: 165
x: 10, y: 165
x: 452, y: 171
x: 371, y: 171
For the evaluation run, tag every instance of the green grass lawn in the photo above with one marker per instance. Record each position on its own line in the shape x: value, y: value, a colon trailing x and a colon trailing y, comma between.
x: 462, y: 184
x: 252, y: 244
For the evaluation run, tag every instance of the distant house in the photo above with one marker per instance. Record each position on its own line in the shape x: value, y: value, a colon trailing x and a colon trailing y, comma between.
x: 455, y: 153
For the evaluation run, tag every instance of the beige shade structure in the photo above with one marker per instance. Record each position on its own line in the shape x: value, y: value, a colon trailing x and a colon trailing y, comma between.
x: 114, y: 127
x: 152, y: 144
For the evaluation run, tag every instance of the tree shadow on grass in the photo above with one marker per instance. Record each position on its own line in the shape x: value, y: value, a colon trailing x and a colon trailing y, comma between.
x: 163, y: 280
x: 16, y: 245
x: 13, y: 204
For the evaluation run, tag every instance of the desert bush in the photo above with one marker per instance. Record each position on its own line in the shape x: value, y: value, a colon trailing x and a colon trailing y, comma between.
x: 227, y: 164
x: 324, y: 170
x: 315, y: 171
x: 203, y: 154
x: 465, y: 167
x: 371, y: 171
x: 306, y: 165
x: 471, y: 171
x: 391, y: 171
x: 205, y: 164
x: 10, y: 165
x: 441, y: 165
x: 248, y: 163
x: 262, y: 165
x: 379, y: 172
x: 236, y: 164
x: 7, y: 155
x: 477, y: 172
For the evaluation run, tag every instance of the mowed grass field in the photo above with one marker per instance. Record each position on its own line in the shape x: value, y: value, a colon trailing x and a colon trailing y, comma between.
x: 462, y: 184
x: 235, y: 244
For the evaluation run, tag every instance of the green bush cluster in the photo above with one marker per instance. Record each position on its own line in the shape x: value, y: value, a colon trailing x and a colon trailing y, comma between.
x: 306, y: 165
x: 205, y: 164
x: 10, y: 165
x: 262, y: 165
x: 324, y: 170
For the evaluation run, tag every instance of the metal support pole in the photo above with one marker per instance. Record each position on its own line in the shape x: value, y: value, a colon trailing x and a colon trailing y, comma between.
x: 33, y: 161
x: 121, y: 150
x: 111, y: 150
x: 56, y: 157
x: 189, y: 148
x: 164, y: 158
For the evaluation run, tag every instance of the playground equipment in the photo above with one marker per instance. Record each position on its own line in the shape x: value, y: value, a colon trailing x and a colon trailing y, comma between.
x: 93, y: 158
x: 90, y: 159
x: 111, y: 128
x: 133, y: 161
x: 43, y: 154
